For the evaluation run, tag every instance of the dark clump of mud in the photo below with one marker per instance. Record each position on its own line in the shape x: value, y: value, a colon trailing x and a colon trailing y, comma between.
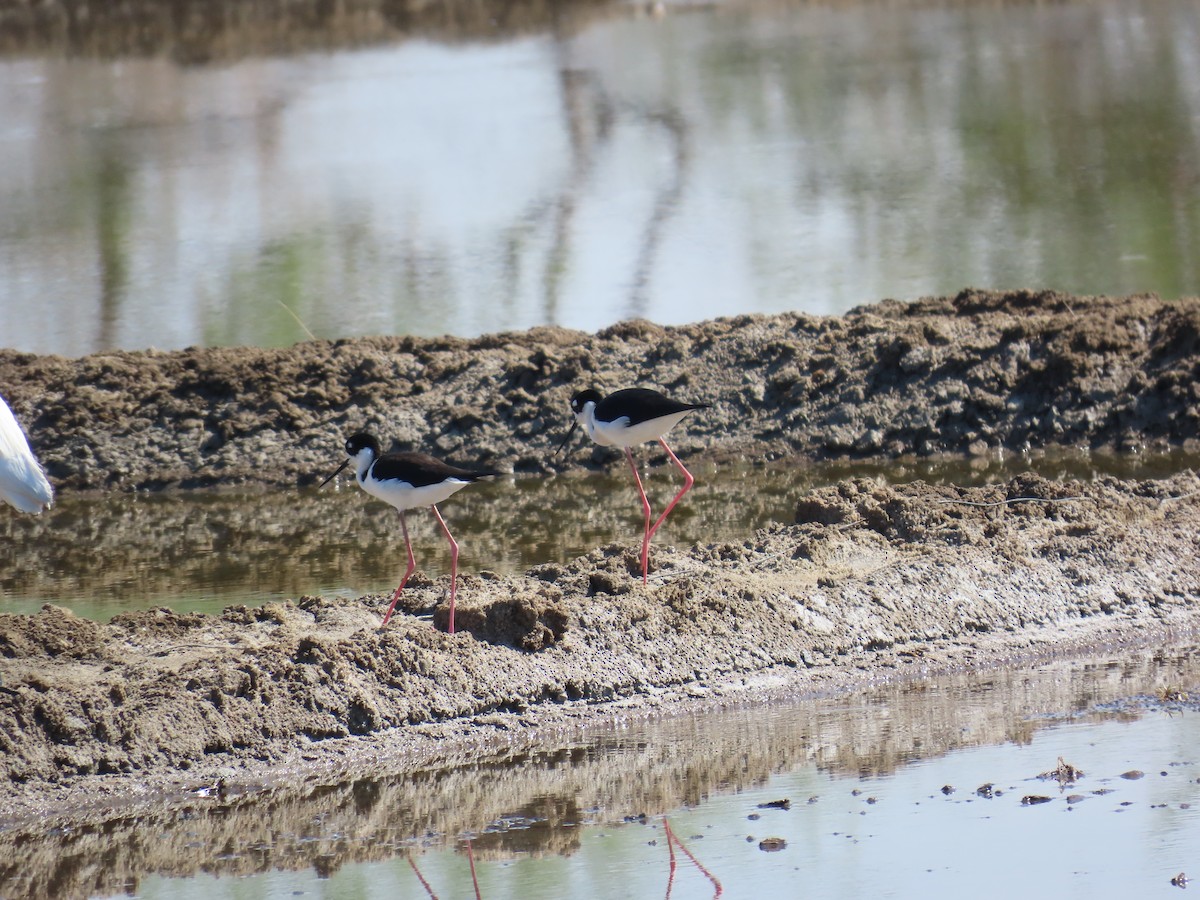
x: 968, y: 374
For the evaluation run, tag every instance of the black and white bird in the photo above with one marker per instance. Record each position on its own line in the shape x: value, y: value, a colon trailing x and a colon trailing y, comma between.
x: 23, y: 483
x: 406, y: 481
x: 625, y: 419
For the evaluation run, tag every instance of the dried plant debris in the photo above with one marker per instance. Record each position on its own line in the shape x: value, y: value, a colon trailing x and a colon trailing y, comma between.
x: 1064, y: 773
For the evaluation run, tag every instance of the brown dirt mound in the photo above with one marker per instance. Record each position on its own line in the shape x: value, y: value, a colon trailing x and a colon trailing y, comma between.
x: 970, y: 373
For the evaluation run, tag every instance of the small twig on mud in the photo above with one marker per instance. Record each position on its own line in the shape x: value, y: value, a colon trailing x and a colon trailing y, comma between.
x: 1187, y: 496
x: 178, y: 648
x: 668, y: 575
x: 1016, y: 500
x: 770, y: 557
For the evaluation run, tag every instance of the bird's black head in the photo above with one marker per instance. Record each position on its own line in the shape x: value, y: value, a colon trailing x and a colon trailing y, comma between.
x: 582, y: 398
x: 578, y: 402
x: 355, y: 444
x: 360, y: 441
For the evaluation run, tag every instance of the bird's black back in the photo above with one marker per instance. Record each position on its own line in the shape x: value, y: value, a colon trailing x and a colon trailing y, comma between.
x: 421, y: 469
x: 641, y: 405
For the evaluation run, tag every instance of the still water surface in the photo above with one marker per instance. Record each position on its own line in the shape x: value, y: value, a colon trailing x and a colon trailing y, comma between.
x: 703, y: 160
x: 203, y: 551
x: 864, y: 775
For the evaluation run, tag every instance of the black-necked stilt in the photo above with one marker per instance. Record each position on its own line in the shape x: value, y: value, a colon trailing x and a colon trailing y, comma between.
x: 406, y: 481
x: 625, y: 419
x: 23, y: 483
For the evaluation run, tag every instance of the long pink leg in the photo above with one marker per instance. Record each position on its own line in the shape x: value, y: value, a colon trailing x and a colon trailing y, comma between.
x: 453, y: 565
x: 688, y: 481
x: 412, y: 564
x: 645, y: 506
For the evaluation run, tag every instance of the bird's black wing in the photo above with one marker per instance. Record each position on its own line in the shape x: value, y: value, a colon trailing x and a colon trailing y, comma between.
x: 421, y: 469
x: 641, y: 405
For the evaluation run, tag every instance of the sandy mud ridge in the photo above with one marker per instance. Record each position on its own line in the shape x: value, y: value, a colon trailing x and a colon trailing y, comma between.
x: 372, y: 808
x: 966, y: 374
x: 869, y: 580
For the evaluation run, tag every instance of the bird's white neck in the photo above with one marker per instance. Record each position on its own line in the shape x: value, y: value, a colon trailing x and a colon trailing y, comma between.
x: 587, y: 417
x: 362, y: 462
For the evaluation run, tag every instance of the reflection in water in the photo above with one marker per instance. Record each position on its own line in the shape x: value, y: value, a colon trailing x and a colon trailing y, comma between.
x: 526, y: 803
x: 201, y: 551
x: 223, y: 30
x: 584, y: 164
x: 112, y: 226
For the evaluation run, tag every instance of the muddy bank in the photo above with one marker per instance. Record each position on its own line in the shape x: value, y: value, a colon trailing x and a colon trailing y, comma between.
x: 871, y: 580
x: 522, y: 799
x: 968, y: 374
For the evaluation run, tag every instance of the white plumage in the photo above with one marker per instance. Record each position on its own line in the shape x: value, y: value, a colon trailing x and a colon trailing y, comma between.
x: 23, y: 484
x: 619, y: 433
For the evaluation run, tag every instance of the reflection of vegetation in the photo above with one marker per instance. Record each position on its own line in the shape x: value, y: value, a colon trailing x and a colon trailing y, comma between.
x: 675, y: 127
x: 836, y: 152
x: 201, y: 32
x: 112, y: 230
x: 1110, y: 139
x: 276, y: 278
x: 969, y: 143
x: 320, y: 282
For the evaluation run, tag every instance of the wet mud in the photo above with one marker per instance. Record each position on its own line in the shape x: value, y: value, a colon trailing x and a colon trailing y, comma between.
x: 529, y: 797
x: 869, y: 582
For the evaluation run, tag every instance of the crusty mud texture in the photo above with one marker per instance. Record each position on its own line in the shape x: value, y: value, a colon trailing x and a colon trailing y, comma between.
x: 966, y: 374
x: 869, y: 580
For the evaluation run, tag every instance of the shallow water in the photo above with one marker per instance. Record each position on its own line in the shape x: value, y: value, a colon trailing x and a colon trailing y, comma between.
x: 203, y: 551
x: 675, y: 161
x: 583, y: 814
